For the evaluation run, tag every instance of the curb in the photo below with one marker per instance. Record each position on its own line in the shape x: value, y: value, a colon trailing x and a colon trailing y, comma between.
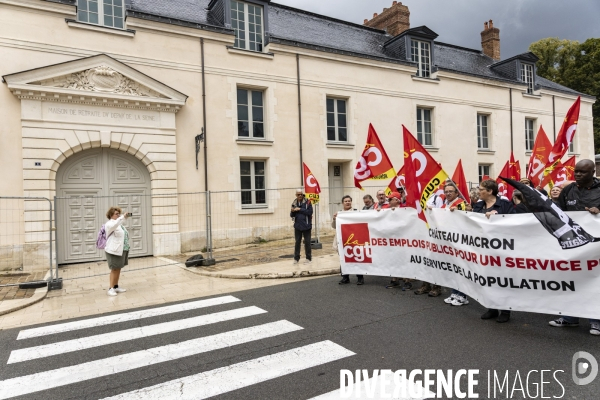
x: 8, y: 306
x: 280, y: 275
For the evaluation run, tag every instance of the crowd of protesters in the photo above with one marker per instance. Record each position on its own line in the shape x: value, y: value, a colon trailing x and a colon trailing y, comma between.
x: 581, y: 195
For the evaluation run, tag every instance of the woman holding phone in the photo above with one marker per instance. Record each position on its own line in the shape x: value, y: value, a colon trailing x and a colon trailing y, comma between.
x: 117, y: 247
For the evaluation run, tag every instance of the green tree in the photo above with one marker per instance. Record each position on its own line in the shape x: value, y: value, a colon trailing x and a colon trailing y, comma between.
x: 574, y: 65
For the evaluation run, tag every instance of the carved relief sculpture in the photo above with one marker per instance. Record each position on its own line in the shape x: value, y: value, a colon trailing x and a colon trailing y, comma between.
x: 102, y: 79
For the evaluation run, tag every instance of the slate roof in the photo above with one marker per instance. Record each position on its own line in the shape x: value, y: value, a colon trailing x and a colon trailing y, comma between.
x: 301, y: 28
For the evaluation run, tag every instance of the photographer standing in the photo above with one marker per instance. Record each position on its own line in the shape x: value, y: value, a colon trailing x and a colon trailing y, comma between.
x: 302, y: 212
x: 117, y: 247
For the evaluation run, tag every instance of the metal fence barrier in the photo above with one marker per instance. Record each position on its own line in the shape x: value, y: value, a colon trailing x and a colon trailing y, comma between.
x: 234, y: 227
x: 27, y: 240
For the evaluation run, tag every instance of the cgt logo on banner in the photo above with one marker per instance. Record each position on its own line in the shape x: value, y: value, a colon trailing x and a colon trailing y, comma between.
x: 356, y: 239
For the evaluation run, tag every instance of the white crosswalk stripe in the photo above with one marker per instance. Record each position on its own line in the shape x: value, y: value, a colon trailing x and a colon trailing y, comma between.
x: 131, y: 316
x: 69, y: 346
x: 113, y: 365
x: 237, y: 376
x: 202, y: 385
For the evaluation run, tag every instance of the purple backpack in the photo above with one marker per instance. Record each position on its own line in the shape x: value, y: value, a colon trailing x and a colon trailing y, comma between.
x: 101, y: 240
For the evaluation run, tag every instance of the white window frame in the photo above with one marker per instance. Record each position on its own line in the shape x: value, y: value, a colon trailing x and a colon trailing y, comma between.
x: 529, y: 134
x: 246, y: 24
x: 481, y: 170
x: 101, y: 4
x: 253, y: 188
x: 423, y: 60
x: 480, y: 127
x: 527, y: 71
x: 422, y: 134
x: 336, y: 121
x: 250, y: 105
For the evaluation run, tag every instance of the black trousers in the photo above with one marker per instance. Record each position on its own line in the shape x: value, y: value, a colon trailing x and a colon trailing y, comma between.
x: 307, y: 249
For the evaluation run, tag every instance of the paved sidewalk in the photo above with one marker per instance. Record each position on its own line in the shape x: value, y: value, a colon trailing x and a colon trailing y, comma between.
x: 153, y: 286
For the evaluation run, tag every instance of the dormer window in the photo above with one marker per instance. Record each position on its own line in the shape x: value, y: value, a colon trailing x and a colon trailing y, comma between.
x: 421, y: 54
x: 527, y: 76
x: 247, y: 21
x: 109, y: 13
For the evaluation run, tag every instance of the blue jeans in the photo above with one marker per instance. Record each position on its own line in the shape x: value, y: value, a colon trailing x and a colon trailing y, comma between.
x: 456, y: 292
x: 575, y: 320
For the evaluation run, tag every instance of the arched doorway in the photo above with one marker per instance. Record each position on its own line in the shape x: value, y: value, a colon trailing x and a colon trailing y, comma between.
x: 87, y: 185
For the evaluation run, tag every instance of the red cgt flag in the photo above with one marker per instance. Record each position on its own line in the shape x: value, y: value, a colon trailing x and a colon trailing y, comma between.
x: 563, y: 141
x: 512, y: 170
x: 374, y: 162
x: 398, y: 181
x: 564, y: 172
x: 461, y: 182
x: 539, y: 158
x: 311, y: 186
x: 422, y: 173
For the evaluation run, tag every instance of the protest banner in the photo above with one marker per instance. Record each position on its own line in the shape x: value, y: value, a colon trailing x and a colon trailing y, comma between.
x: 508, y: 262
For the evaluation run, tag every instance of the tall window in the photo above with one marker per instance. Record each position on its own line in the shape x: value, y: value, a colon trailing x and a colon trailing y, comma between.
x: 252, y: 175
x: 337, y: 130
x: 421, y: 54
x: 572, y: 146
x: 101, y: 12
x: 529, y: 134
x: 482, y: 132
x: 527, y: 76
x: 250, y: 114
x: 424, y: 134
x: 484, y: 170
x: 247, y: 22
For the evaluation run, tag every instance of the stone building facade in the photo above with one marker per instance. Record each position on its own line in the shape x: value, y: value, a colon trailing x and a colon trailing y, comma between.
x: 109, y: 101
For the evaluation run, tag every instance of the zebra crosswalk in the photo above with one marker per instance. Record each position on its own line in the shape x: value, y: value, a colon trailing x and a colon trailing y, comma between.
x: 196, y: 386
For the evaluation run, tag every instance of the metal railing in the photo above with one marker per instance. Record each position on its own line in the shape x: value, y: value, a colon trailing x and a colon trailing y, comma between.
x: 26, y: 239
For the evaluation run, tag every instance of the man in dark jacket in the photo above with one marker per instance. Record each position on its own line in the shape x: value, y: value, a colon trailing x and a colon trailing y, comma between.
x: 302, y: 212
x: 581, y: 195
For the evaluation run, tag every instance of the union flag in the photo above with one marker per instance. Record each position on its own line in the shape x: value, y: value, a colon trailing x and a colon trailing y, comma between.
x: 563, y: 141
x: 539, y: 158
x: 311, y: 186
x: 423, y: 174
x: 374, y: 162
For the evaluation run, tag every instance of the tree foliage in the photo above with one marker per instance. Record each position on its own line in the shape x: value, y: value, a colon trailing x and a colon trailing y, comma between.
x: 574, y: 65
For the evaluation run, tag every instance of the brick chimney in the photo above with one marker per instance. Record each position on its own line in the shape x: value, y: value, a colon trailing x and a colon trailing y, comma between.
x: 394, y: 20
x: 490, y: 40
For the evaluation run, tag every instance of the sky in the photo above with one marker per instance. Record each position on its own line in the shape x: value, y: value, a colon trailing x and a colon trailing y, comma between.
x: 460, y: 22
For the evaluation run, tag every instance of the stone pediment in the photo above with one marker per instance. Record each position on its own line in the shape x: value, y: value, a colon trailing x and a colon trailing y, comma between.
x: 95, y: 80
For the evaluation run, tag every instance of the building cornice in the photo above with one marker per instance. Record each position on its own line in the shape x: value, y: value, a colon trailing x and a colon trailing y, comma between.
x: 53, y: 7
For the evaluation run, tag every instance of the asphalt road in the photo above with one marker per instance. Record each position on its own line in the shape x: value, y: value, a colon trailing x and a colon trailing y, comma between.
x: 384, y: 328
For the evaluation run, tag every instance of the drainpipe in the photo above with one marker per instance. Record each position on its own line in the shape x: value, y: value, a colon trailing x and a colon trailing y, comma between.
x: 300, y: 120
x: 554, y: 117
x: 204, y: 117
x: 511, y: 122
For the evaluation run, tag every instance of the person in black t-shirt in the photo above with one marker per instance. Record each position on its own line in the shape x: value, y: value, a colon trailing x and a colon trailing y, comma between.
x: 489, y: 204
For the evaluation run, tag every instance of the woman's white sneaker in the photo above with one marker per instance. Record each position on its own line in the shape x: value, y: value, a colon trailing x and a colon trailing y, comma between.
x: 120, y: 290
x: 450, y: 299
x: 111, y: 292
x: 460, y: 301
